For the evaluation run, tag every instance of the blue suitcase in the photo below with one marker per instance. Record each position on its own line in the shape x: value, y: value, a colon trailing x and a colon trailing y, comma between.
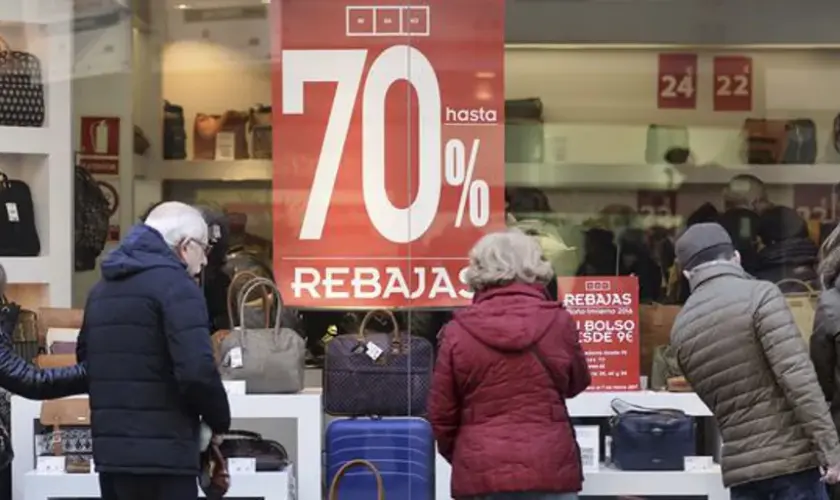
x: 401, y: 449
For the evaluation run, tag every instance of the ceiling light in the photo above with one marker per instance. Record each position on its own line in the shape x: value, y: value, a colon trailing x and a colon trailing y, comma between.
x: 183, y: 6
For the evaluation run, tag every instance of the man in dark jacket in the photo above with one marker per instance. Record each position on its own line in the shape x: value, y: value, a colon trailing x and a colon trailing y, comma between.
x: 146, y: 344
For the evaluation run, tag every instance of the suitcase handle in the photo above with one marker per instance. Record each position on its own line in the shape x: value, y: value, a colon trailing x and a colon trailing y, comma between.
x: 380, y: 487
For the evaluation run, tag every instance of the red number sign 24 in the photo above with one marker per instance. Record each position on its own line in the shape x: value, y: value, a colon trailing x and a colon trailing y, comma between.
x: 677, y: 81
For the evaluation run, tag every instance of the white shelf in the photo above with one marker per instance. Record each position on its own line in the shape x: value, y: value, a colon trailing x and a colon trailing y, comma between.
x: 598, y: 404
x: 25, y: 140
x: 38, y: 486
x: 615, y: 176
x: 23, y: 270
x: 608, y: 482
x: 35, y: 11
x: 209, y: 170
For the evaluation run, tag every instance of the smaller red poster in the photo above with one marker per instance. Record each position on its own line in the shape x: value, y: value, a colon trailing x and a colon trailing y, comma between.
x: 606, y: 310
x: 99, y: 140
x: 677, y: 81
x: 733, y: 83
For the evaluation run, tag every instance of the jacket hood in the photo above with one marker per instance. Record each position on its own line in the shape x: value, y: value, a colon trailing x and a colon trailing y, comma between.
x: 143, y: 248
x: 510, y: 318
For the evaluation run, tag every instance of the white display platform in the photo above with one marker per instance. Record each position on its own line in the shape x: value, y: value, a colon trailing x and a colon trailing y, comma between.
x: 609, y: 481
x: 267, y: 485
x: 305, y: 408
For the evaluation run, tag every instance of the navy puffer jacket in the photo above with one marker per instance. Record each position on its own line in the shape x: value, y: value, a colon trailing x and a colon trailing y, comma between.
x: 146, y: 344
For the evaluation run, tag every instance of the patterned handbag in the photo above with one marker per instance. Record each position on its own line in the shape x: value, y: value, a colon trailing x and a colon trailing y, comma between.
x: 67, y: 433
x: 383, y: 374
x: 260, y: 126
x: 21, y: 88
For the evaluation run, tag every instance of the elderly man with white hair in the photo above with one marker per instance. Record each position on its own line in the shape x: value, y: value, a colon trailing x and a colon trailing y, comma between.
x: 152, y: 376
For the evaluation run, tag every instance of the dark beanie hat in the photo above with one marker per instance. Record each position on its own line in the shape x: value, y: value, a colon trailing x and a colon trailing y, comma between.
x: 702, y: 243
x: 781, y: 223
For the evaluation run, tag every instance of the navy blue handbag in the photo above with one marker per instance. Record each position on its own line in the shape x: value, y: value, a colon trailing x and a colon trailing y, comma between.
x: 650, y: 439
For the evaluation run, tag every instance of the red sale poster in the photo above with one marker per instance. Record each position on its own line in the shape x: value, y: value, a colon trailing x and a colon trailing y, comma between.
x: 677, y: 81
x: 388, y: 148
x: 606, y: 311
x: 733, y: 83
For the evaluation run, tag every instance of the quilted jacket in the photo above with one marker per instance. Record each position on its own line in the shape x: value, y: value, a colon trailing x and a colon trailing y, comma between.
x: 738, y: 345
x: 825, y: 347
x: 146, y: 344
x: 498, y: 415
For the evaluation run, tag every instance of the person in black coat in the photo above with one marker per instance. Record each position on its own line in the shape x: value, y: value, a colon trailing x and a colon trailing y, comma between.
x: 145, y: 341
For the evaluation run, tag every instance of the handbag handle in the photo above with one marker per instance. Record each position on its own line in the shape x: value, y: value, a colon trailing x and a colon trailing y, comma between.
x: 395, y: 333
x: 380, y: 487
x: 4, y: 45
x: 254, y: 436
x: 231, y: 300
x: 247, y: 289
x: 620, y: 406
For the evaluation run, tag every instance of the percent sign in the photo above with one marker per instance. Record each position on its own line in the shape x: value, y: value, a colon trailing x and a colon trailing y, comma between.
x: 475, y: 193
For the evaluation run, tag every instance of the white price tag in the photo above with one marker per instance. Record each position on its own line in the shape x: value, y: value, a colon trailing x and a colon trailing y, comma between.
x: 236, y: 357
x: 694, y: 464
x: 589, y: 443
x: 242, y: 466
x: 12, y: 212
x: 373, y: 351
x: 92, y: 467
x: 225, y: 146
x: 50, y: 465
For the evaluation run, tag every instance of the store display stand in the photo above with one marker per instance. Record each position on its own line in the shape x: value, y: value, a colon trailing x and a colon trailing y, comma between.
x: 305, y: 408
x: 608, y: 481
x: 43, y: 156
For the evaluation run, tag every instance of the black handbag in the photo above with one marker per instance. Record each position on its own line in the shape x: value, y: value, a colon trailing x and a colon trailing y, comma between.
x: 21, y: 89
x: 18, y: 235
x: 270, y: 455
x: 650, y: 439
x: 174, y: 132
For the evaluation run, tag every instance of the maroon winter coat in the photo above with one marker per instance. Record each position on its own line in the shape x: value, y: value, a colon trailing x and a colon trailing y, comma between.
x: 499, y: 418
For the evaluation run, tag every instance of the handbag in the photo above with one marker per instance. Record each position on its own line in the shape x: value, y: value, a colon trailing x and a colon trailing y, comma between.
x: 650, y: 439
x: 21, y: 88
x: 802, y: 305
x: 22, y: 324
x: 371, y: 373
x: 214, y: 479
x: 68, y: 434
x: 380, y: 485
x: 174, y: 132
x: 260, y: 126
x: 270, y: 455
x: 18, y: 235
x: 663, y: 138
x: 765, y: 141
x: 205, y: 128
x: 269, y: 360
x: 232, y: 138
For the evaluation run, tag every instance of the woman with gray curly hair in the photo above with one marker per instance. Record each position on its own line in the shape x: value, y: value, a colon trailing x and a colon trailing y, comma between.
x: 506, y: 365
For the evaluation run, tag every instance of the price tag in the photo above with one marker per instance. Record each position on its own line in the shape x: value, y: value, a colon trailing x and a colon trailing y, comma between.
x: 50, y: 465
x: 341, y: 103
x: 733, y: 83
x: 242, y: 466
x: 12, y: 212
x: 236, y: 357
x: 225, y: 146
x: 677, y: 81
x: 92, y: 467
x: 697, y: 464
x: 373, y: 351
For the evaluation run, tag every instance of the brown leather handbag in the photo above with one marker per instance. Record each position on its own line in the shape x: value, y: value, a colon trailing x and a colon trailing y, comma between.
x: 380, y: 486
x: 69, y: 422
x: 235, y: 123
x: 214, y: 479
x: 765, y: 141
x: 205, y: 128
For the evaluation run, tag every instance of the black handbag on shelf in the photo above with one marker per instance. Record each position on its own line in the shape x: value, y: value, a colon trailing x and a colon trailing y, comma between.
x: 18, y: 235
x: 650, y: 439
x: 174, y: 132
x: 21, y: 88
x: 270, y: 455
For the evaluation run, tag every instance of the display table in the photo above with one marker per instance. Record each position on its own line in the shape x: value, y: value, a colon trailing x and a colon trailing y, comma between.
x: 267, y: 485
x: 608, y: 481
x: 305, y: 408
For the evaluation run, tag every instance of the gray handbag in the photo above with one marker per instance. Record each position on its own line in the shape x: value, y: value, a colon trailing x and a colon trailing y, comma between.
x: 270, y: 360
